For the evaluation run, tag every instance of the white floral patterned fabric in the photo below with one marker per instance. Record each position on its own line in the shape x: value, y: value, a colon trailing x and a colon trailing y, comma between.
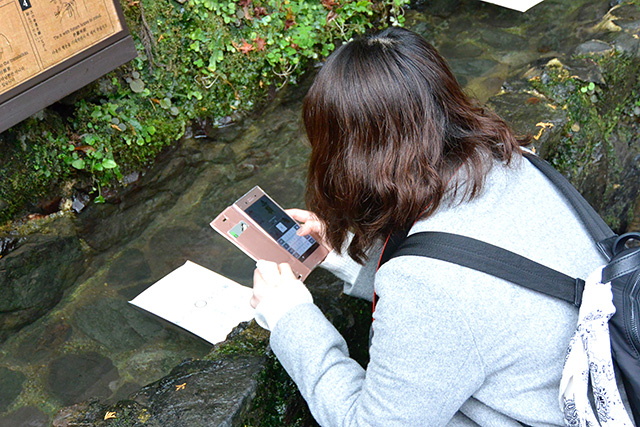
x: 589, y: 358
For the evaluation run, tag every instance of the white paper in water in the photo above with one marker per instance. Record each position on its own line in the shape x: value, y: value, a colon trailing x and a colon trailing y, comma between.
x: 199, y: 300
x: 519, y: 5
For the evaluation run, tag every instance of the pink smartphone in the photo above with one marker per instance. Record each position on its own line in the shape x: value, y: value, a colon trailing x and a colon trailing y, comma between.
x: 262, y: 230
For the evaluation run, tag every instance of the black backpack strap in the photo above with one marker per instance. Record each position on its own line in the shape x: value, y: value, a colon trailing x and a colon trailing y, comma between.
x: 598, y: 229
x: 490, y: 259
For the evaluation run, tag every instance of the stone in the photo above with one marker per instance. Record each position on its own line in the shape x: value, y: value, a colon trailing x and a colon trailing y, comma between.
x: 627, y: 12
x: 626, y: 43
x: 204, y: 393
x: 591, y: 47
x: 471, y: 67
x: 39, y: 344
x: 35, y: 274
x: 80, y: 201
x: 129, y: 267
x: 10, y: 387
x: 27, y: 416
x: 7, y: 244
x: 77, y: 377
x: 585, y: 70
x: 465, y: 50
x: 529, y: 115
x: 116, y: 324
x: 221, y: 389
x: 441, y: 8
x: 501, y: 40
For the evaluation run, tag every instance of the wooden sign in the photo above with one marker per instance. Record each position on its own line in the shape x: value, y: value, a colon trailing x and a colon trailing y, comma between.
x: 50, y: 48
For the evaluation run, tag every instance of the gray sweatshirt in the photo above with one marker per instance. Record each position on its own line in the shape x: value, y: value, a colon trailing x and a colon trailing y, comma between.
x: 451, y: 346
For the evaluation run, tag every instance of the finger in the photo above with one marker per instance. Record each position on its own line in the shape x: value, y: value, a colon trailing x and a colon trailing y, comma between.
x: 254, y: 301
x: 269, y: 271
x: 257, y: 277
x: 306, y: 228
x: 300, y: 215
x: 286, y: 271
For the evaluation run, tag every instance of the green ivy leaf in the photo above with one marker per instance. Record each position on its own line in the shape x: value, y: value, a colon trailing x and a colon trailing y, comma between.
x: 109, y: 164
x: 78, y: 163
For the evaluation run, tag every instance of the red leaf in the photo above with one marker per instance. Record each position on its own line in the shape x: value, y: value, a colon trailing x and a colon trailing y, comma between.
x: 244, y: 48
x: 260, y: 43
x: 329, y: 4
x: 85, y: 148
x: 289, y: 23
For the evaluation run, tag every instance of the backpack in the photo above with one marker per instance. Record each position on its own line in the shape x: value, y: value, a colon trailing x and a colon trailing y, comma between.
x: 622, y: 271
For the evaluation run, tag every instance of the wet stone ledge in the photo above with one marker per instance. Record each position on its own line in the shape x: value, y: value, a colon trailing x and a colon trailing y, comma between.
x: 238, y: 383
x: 36, y: 272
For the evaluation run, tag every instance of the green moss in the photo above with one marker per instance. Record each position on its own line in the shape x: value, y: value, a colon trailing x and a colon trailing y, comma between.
x: 202, y: 59
x: 601, y: 117
x: 245, y: 340
x: 594, y: 111
x: 278, y: 401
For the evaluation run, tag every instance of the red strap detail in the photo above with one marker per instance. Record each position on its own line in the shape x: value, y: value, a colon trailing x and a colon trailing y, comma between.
x: 414, y: 223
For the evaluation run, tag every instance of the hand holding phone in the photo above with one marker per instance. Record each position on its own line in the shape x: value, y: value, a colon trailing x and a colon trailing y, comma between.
x: 262, y: 230
x: 309, y: 224
x: 276, y: 290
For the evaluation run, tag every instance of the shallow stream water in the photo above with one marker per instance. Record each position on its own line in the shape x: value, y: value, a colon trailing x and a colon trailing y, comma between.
x: 94, y: 344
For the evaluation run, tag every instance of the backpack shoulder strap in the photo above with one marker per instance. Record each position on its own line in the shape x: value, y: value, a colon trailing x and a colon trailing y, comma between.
x: 493, y: 260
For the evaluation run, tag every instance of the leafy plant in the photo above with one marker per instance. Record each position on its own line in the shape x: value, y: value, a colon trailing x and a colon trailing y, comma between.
x: 205, y: 58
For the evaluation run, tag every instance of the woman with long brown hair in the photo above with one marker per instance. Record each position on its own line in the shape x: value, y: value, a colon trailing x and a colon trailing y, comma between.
x: 396, y: 144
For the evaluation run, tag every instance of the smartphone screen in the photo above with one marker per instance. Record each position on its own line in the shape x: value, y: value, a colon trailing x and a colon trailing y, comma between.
x: 281, y: 227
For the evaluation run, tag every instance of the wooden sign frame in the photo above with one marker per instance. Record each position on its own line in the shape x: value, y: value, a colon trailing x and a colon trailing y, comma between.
x: 62, y: 45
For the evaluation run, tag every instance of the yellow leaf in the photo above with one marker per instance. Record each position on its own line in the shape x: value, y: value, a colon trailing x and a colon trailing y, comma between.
x: 542, y: 126
x: 181, y: 386
x: 109, y: 415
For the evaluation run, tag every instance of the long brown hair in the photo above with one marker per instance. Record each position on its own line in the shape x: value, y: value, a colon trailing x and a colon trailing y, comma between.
x: 389, y: 125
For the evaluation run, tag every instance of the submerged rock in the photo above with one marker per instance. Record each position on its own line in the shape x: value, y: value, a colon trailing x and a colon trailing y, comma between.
x: 76, y: 377
x: 10, y: 387
x: 35, y: 275
x: 239, y: 380
x: 27, y: 416
x: 115, y: 324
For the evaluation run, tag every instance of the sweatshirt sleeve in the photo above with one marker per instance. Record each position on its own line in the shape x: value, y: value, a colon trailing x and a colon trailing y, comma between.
x: 358, y: 279
x: 423, y: 361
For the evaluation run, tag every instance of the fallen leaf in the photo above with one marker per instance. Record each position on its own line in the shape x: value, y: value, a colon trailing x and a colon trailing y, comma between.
x: 244, y: 47
x: 247, y: 14
x: 289, y: 23
x: 259, y: 11
x: 533, y: 100
x: 260, y: 43
x: 109, y: 415
x: 542, y: 126
x: 181, y: 386
x: 329, y: 4
x: 85, y: 148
